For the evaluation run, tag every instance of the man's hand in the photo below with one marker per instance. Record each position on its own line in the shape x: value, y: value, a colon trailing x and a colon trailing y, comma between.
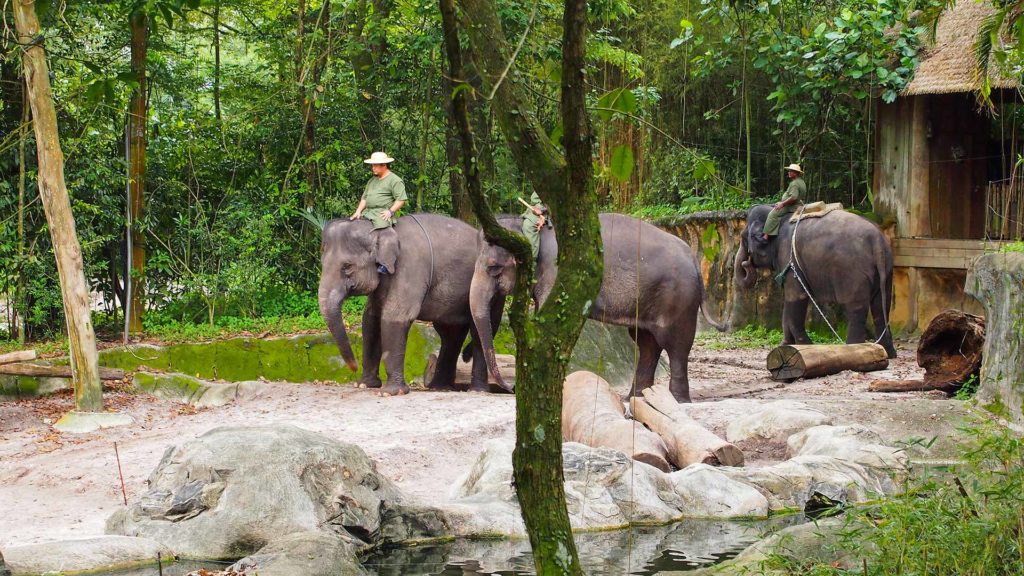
x: 386, y: 215
x: 779, y: 205
x: 537, y: 211
x: 357, y: 215
x: 540, y: 222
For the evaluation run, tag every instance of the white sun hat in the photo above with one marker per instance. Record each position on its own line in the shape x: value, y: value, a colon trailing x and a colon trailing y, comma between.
x: 379, y: 158
x: 793, y: 167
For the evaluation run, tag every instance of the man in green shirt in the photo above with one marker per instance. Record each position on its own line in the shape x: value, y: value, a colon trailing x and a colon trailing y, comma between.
x: 791, y: 200
x: 533, y: 221
x: 383, y: 197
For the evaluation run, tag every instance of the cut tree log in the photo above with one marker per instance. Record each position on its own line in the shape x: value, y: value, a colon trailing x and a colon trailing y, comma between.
x: 19, y: 356
x: 687, y: 441
x: 21, y: 369
x: 593, y: 414
x: 464, y: 372
x: 792, y: 361
x: 949, y: 351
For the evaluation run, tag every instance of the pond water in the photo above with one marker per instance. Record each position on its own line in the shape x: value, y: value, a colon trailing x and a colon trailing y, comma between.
x: 639, y: 551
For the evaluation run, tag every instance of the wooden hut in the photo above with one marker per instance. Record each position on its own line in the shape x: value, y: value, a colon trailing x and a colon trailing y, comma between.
x: 944, y: 177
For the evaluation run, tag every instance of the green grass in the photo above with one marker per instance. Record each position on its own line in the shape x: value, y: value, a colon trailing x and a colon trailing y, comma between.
x: 694, y: 204
x: 1017, y: 246
x: 968, y: 521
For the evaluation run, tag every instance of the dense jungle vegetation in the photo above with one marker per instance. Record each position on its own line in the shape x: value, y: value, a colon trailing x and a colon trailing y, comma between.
x: 258, y: 115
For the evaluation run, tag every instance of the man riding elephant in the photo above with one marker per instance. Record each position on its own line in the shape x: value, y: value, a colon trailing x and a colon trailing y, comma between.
x: 792, y: 198
x: 383, y: 197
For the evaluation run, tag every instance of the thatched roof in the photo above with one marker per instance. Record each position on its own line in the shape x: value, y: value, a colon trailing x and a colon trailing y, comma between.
x: 949, y: 64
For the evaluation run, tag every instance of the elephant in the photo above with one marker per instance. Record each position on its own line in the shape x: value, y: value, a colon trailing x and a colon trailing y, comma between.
x: 659, y: 308
x: 842, y: 258
x: 431, y: 282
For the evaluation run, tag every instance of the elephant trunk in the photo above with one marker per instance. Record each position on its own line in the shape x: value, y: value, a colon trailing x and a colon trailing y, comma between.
x: 481, y: 295
x: 331, y: 298
x: 743, y: 269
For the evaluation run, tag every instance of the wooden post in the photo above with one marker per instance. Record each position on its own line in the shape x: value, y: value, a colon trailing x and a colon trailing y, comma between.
x: 139, y: 24
x: 918, y: 213
x: 20, y: 369
x: 790, y: 362
x: 18, y: 356
x: 57, y: 206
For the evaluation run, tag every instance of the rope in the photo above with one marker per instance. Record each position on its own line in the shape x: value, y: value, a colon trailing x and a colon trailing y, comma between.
x: 430, y: 245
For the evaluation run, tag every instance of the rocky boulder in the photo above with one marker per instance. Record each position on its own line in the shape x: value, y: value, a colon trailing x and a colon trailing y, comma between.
x: 306, y: 553
x: 851, y: 443
x: 775, y: 420
x: 83, y: 555
x: 233, y: 490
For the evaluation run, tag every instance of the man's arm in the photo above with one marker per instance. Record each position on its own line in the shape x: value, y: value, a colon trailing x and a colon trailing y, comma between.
x: 395, y: 207
x: 359, y: 210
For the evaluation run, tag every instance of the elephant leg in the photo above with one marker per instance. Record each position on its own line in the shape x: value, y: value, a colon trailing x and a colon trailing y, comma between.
x: 647, y: 361
x: 394, y: 337
x: 878, y: 314
x: 677, y: 341
x: 452, y: 337
x: 370, y: 377
x: 856, y: 323
x: 794, y: 316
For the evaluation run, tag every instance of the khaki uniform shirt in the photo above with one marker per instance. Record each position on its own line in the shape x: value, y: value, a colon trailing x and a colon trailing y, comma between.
x: 380, y: 194
x: 797, y: 189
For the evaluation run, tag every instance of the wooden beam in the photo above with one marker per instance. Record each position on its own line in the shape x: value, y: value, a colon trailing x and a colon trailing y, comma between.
x: 21, y: 369
x: 18, y: 356
x: 687, y: 441
x: 789, y: 362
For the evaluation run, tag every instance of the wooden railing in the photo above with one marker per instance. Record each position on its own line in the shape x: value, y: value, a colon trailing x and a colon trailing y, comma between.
x: 1004, y: 209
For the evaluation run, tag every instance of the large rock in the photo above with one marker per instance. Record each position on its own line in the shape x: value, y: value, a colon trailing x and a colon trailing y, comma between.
x: 707, y: 492
x: 85, y: 555
x: 200, y: 393
x: 232, y: 491
x: 791, y: 484
x: 306, y: 553
x: 997, y: 280
x: 775, y: 420
x: 852, y: 443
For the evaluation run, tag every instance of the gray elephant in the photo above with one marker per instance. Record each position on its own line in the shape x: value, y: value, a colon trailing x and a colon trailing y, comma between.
x: 842, y: 258
x: 651, y: 284
x: 431, y: 282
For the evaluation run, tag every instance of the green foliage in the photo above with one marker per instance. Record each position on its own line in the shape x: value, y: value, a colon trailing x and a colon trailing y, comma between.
x: 966, y: 521
x: 1012, y: 247
x: 750, y: 336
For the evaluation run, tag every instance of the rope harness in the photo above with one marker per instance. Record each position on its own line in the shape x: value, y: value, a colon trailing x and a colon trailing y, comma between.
x: 430, y: 245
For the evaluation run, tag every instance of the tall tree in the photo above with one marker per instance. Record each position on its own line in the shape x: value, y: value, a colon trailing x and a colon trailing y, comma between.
x: 137, y: 115
x: 57, y: 206
x: 544, y: 341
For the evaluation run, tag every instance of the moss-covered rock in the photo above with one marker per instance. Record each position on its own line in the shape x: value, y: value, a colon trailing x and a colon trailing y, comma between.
x: 997, y: 280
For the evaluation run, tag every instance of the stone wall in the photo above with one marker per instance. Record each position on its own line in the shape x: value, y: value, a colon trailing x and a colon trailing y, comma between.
x: 997, y: 280
x: 715, y: 239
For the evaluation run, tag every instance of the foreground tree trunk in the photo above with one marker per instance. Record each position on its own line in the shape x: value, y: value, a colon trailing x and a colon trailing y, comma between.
x: 137, y: 169
x: 545, y: 341
x: 57, y: 206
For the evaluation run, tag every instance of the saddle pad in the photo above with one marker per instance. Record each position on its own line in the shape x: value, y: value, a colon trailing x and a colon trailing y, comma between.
x: 815, y: 210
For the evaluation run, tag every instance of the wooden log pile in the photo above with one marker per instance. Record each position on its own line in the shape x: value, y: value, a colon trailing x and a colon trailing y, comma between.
x: 593, y: 414
x: 949, y: 351
x: 791, y: 361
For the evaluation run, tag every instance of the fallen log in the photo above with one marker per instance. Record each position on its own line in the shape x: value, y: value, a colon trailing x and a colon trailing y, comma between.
x: 949, y: 351
x: 792, y: 361
x: 21, y: 369
x: 19, y: 356
x: 464, y: 372
x: 593, y: 414
x: 686, y: 440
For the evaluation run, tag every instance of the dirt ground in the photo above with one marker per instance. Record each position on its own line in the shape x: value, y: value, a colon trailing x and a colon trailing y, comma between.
x: 57, y: 486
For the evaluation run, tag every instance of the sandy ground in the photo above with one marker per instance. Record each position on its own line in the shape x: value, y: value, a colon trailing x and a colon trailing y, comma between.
x: 57, y: 486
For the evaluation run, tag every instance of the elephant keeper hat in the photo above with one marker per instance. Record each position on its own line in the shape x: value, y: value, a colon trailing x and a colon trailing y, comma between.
x: 793, y: 167
x: 379, y: 158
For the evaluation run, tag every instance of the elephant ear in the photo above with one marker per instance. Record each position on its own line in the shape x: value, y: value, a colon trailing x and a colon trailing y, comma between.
x: 386, y: 247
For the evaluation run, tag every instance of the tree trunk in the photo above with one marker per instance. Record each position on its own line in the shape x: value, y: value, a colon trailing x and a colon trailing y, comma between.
x: 592, y: 414
x: 789, y: 362
x: 19, y: 306
x: 57, y: 206
x: 949, y: 351
x: 17, y: 369
x: 544, y: 342
x: 216, y: 61
x: 686, y: 440
x: 137, y: 168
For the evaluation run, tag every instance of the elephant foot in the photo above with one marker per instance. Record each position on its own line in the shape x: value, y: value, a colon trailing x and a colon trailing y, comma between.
x: 393, y: 390
x: 440, y: 387
x: 479, y: 387
x: 682, y: 397
x: 369, y: 384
